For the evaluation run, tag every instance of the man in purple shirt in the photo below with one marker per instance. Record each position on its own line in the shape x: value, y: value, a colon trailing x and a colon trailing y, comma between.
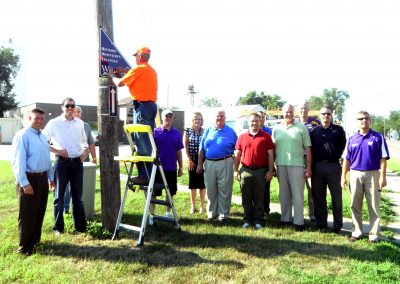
x: 366, y: 157
x: 169, y: 147
x: 310, y: 123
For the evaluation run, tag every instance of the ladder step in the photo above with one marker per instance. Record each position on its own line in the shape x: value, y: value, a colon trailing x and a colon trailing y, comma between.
x: 155, y: 186
x: 130, y: 227
x: 161, y: 202
x: 164, y: 219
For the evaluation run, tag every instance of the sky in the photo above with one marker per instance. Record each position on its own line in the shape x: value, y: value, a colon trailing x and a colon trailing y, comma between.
x: 291, y: 48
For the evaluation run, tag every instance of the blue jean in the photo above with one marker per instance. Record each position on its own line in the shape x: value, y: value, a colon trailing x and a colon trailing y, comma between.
x: 67, y: 197
x: 144, y: 113
x: 69, y: 171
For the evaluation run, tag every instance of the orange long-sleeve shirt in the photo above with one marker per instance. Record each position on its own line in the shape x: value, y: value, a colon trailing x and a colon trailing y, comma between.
x: 142, y: 82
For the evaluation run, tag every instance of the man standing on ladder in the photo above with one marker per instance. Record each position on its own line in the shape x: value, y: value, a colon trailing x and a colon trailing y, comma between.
x: 142, y: 83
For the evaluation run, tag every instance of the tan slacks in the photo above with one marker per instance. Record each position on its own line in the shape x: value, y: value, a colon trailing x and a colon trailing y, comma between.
x: 365, y: 183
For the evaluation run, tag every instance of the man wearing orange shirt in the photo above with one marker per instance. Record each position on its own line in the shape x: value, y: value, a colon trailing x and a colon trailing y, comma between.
x: 142, y: 83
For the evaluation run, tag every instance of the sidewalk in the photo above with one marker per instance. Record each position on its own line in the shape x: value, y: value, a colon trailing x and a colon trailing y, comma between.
x: 393, y: 182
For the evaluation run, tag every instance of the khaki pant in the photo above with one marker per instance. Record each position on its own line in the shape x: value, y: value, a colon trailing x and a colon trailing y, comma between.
x: 218, y: 177
x: 365, y: 183
x: 291, y: 193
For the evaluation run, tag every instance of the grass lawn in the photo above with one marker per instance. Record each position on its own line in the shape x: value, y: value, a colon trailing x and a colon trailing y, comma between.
x: 202, y: 253
x: 394, y: 165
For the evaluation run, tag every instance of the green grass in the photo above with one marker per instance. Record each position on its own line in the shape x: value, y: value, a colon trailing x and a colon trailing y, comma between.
x: 394, y: 165
x: 202, y: 253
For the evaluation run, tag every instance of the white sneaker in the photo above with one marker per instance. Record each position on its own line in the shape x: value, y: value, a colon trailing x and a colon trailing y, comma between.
x: 258, y: 226
x: 151, y: 220
x: 246, y: 226
x: 168, y: 214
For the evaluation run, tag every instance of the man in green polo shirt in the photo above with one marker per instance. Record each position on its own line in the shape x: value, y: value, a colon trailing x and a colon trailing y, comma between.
x: 292, y: 140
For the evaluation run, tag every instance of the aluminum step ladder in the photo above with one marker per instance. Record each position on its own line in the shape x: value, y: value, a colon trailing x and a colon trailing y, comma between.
x: 129, y: 162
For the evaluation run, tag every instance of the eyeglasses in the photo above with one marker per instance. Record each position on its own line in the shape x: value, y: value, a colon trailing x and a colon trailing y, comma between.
x: 326, y: 113
x: 69, y: 106
x: 363, y: 118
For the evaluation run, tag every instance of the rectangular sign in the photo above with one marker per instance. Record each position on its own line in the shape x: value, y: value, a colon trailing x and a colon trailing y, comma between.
x: 113, y: 101
x: 110, y: 56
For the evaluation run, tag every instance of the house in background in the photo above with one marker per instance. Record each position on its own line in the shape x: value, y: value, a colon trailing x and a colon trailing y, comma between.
x: 236, y: 116
x: 89, y: 113
x: 126, y: 114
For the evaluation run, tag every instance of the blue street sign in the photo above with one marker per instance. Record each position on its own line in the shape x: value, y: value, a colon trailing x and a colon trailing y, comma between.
x: 110, y: 56
x: 113, y: 101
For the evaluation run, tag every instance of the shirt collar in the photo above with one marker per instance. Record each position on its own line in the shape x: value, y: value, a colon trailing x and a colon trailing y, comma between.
x: 33, y: 130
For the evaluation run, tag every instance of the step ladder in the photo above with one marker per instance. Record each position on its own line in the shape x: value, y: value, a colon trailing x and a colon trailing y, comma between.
x: 129, y: 162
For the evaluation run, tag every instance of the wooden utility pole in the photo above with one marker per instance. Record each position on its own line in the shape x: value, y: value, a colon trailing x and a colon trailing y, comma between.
x: 108, y: 131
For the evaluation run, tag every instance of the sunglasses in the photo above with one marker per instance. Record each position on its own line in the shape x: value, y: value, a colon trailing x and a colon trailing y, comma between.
x: 363, y: 118
x: 69, y: 106
x: 326, y: 113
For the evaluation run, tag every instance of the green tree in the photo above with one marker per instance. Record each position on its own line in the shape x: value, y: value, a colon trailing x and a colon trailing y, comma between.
x: 210, y: 102
x: 266, y: 101
x: 331, y: 97
x: 394, y: 120
x: 378, y: 124
x: 9, y: 66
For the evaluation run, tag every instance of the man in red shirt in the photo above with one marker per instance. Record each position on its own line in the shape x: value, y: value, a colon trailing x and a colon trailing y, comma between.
x: 255, y: 151
x: 142, y: 83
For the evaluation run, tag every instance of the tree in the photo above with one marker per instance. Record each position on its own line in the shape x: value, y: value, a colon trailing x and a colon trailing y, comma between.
x: 378, y: 124
x: 332, y: 97
x: 210, y: 102
x: 266, y: 101
x: 9, y: 66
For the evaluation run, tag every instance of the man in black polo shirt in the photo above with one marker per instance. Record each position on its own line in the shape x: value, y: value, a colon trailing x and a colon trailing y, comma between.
x: 328, y: 142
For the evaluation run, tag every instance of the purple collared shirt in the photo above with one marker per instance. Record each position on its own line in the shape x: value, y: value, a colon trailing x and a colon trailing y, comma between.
x: 365, y: 151
x: 168, y: 142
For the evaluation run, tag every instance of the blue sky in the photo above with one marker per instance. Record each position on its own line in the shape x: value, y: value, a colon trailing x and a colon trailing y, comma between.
x: 225, y: 48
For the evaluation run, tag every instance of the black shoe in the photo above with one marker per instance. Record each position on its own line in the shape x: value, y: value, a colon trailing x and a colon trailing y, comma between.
x: 25, y: 252
x: 223, y: 221
x: 299, y: 228
x: 337, y: 230
x: 283, y: 223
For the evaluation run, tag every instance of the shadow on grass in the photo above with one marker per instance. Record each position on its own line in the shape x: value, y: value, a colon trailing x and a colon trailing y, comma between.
x: 153, y: 254
x: 167, y: 247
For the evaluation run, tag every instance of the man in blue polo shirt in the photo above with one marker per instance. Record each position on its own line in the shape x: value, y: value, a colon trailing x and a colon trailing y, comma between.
x: 366, y: 157
x: 216, y: 151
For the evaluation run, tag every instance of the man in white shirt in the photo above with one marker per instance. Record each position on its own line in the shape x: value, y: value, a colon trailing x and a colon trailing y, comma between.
x: 68, y: 139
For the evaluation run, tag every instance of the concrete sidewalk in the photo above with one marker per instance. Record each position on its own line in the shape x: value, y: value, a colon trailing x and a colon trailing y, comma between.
x: 393, y: 181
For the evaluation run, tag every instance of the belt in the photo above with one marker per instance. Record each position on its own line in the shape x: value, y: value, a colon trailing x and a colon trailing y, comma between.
x: 36, y: 174
x: 327, y: 161
x: 254, y: 168
x: 68, y: 158
x: 143, y: 101
x: 219, y: 159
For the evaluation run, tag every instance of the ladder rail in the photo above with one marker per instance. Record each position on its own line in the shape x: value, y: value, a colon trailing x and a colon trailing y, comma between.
x: 130, y: 129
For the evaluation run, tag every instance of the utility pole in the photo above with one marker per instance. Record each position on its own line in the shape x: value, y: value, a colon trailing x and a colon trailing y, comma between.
x: 191, y: 93
x: 108, y: 131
